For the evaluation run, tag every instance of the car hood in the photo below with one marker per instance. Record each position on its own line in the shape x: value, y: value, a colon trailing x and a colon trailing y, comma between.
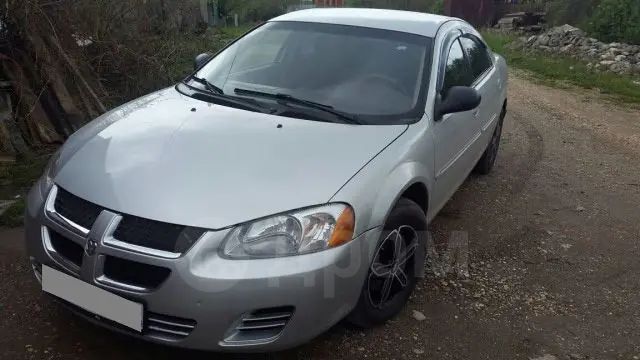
x: 175, y: 159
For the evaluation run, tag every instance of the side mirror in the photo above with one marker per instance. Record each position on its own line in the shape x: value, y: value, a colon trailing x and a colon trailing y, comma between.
x: 459, y: 99
x: 201, y: 60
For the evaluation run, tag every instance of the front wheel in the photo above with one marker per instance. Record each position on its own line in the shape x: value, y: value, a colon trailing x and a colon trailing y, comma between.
x: 392, y: 273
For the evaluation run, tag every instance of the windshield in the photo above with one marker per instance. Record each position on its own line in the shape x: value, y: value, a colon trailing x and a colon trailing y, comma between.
x: 377, y: 75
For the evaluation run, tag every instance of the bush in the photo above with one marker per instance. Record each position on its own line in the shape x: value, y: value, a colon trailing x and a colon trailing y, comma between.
x: 617, y: 20
x: 572, y: 12
x: 437, y: 7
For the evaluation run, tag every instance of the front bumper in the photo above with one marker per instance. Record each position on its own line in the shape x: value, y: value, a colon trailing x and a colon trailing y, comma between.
x: 216, y: 301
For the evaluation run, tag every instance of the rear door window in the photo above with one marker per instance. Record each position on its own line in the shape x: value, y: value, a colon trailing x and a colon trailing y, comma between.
x: 478, y: 55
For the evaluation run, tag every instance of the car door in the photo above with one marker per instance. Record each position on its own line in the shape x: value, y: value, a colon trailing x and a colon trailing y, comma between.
x: 486, y: 82
x: 454, y: 134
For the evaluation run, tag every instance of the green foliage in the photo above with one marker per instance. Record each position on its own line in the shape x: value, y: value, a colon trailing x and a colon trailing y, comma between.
x: 617, y: 20
x: 559, y: 70
x: 17, y: 179
x: 607, y: 20
x: 572, y: 12
x: 176, y: 52
x: 254, y: 10
x: 437, y: 7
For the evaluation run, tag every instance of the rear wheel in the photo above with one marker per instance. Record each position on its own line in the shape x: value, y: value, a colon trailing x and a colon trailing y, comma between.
x: 392, y: 274
x: 488, y: 159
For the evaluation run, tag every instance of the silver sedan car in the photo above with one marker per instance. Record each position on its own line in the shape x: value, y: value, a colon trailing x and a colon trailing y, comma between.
x: 285, y: 185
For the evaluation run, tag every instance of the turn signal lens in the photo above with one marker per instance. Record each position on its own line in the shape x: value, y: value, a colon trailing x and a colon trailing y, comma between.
x: 345, y: 226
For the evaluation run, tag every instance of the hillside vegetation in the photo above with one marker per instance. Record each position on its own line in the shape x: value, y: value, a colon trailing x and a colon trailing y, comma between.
x: 607, y: 20
x: 558, y: 70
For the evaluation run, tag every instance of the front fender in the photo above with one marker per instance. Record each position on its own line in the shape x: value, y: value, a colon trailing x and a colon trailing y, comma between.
x: 373, y: 211
x: 374, y: 191
x: 397, y: 182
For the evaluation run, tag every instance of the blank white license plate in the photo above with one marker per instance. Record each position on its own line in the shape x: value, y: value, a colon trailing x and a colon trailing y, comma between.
x: 92, y: 299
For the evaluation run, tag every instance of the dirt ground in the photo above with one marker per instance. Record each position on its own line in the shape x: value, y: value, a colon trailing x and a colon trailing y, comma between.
x: 554, y: 238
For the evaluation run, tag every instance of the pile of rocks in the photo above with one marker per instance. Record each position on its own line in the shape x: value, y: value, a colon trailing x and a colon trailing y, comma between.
x: 615, y: 57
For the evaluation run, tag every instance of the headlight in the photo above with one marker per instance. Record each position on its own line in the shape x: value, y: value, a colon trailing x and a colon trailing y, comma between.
x: 46, y: 182
x: 297, y: 232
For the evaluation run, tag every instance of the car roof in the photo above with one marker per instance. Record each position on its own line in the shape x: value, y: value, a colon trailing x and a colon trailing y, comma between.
x: 395, y: 20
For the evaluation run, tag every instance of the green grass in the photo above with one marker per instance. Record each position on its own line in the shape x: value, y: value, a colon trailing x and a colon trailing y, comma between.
x: 15, y: 180
x: 556, y: 70
x: 18, y: 177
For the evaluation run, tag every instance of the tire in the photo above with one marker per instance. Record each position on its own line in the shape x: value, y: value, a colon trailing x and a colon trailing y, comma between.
x: 488, y: 159
x: 408, y: 221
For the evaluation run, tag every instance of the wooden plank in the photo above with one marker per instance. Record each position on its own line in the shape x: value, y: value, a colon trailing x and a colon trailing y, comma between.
x: 30, y: 109
x: 79, y: 75
x: 7, y: 158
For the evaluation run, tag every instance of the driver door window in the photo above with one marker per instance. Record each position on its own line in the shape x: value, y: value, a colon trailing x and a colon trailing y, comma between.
x: 457, y: 71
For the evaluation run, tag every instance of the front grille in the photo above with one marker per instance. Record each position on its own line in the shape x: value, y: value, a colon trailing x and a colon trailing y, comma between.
x: 66, y: 248
x: 157, y: 326
x: 135, y: 273
x: 168, y: 327
x: 76, y: 209
x: 148, y: 233
x: 132, y: 229
x: 261, y: 325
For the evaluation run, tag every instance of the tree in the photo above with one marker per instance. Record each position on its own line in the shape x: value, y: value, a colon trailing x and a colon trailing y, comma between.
x: 617, y: 20
x: 572, y: 12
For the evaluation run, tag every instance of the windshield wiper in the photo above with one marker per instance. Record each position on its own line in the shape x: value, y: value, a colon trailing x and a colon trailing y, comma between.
x: 212, y: 88
x: 223, y: 99
x: 286, y: 98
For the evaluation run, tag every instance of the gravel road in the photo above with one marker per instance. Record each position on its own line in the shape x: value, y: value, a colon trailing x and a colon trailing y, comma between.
x: 554, y: 257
